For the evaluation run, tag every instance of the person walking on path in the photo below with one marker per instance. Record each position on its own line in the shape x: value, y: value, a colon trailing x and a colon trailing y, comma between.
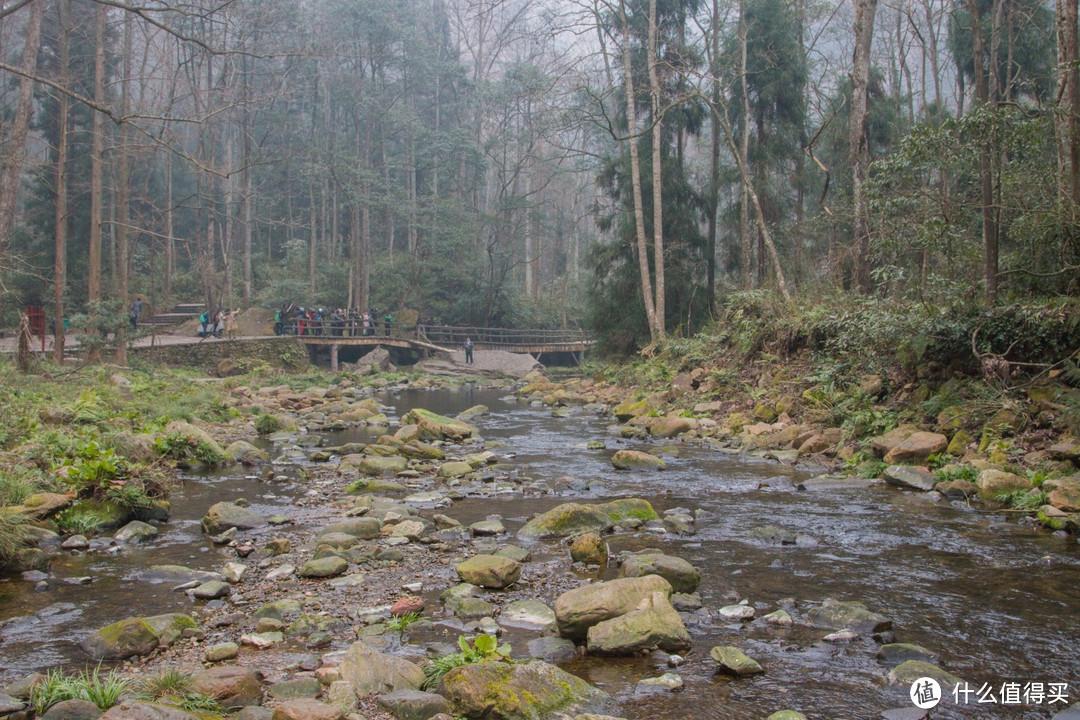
x: 387, y: 321
x: 136, y: 313
x: 468, y: 351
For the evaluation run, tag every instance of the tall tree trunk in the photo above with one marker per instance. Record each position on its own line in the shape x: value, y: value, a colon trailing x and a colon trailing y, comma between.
x: 170, y: 245
x: 97, y: 157
x: 657, y: 173
x: 744, y: 154
x: 123, y: 190
x: 60, y: 237
x: 986, y: 179
x: 20, y: 128
x: 1068, y: 110
x: 857, y: 141
x: 635, y: 176
x: 714, y: 159
x: 364, y: 284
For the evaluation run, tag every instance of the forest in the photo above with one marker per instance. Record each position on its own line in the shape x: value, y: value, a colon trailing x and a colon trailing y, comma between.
x: 626, y: 166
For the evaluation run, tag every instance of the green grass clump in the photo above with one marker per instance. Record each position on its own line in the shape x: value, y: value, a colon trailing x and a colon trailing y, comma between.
x: 400, y: 624
x: 1029, y: 500
x: 104, y: 691
x: 11, y: 534
x: 77, y: 522
x: 174, y: 687
x: 266, y: 424
x: 956, y: 472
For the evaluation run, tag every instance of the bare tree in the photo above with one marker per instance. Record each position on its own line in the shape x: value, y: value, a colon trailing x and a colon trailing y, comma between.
x: 857, y: 141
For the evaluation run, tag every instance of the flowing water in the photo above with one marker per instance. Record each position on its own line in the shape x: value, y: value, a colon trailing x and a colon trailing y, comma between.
x: 996, y: 598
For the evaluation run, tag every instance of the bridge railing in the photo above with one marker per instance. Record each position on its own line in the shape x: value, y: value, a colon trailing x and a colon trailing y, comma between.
x: 448, y: 336
x: 455, y: 336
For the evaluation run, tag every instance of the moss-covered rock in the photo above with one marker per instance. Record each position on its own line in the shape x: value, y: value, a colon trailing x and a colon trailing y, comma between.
x: 589, y: 548
x: 732, y: 661
x: 565, y: 520
x: 636, y: 460
x: 683, y: 576
x: 371, y: 671
x: 379, y: 465
x: 992, y: 483
x: 619, y: 510
x: 432, y: 426
x: 225, y: 515
x: 630, y: 409
x: 171, y: 626
x: 653, y: 624
x: 504, y: 691
x: 490, y: 571
x: 579, y: 609
x: 132, y: 637
x: 959, y: 443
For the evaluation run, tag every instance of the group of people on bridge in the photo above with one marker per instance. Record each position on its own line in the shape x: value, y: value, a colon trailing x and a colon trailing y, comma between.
x: 342, y: 322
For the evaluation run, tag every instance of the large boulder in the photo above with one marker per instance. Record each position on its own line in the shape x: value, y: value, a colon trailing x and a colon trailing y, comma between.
x: 565, y: 520
x: 490, y: 571
x: 992, y: 483
x: 132, y: 637
x: 671, y: 426
x: 383, y: 464
x: 371, y: 671
x: 882, y: 445
x: 246, y: 453
x: 432, y: 426
x: 635, y: 460
x: 683, y: 576
x: 224, y: 515
x: 579, y: 609
x: 145, y: 711
x: 414, y: 704
x: 916, y: 448
x: 306, y: 709
x: 233, y: 686
x: 1064, y: 494
x: 501, y: 691
x: 41, y: 505
x: 624, y: 508
x: 653, y: 624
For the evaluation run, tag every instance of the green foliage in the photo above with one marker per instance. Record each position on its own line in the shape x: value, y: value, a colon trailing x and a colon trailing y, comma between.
x: 15, y: 487
x: 132, y: 495
x: 956, y: 472
x: 400, y: 624
x: 865, y: 464
x: 1030, y: 500
x: 11, y: 534
x: 95, y: 466
x: 485, y: 648
x: 266, y: 424
x: 937, y: 461
x: 77, y: 522
x: 104, y: 691
x: 174, y: 687
x: 54, y: 688
x: 185, y: 447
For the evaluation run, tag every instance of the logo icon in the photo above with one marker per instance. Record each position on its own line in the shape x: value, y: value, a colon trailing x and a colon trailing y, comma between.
x: 925, y: 693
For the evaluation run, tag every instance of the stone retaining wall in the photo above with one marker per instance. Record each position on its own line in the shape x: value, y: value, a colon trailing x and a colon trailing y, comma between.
x: 276, y: 351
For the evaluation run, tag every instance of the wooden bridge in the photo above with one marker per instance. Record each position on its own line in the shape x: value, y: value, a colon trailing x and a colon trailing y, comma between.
x: 441, y: 338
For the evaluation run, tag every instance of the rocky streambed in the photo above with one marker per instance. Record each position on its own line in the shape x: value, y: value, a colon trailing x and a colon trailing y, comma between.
x: 735, y: 587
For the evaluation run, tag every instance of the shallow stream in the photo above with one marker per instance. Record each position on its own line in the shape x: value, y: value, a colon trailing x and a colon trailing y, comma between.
x: 996, y: 598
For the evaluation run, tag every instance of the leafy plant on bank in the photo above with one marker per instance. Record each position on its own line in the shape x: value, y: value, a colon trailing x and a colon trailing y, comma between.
x: 187, y: 447
x: 485, y: 648
x: 77, y: 522
x: 1029, y: 500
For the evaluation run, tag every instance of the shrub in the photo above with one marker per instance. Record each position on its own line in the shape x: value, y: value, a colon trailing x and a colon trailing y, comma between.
x: 267, y: 423
x: 185, y: 447
x: 11, y: 534
x: 77, y: 522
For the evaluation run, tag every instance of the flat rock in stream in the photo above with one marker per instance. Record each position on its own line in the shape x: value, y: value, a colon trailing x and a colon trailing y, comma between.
x: 177, y: 574
x: 224, y: 515
x: 837, y: 615
x: 371, y: 671
x: 683, y: 576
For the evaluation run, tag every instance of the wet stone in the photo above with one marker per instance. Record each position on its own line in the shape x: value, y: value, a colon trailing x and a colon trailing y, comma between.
x: 212, y: 590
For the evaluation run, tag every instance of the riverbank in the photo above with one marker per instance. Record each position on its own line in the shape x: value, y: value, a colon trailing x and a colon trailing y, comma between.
x: 356, y: 507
